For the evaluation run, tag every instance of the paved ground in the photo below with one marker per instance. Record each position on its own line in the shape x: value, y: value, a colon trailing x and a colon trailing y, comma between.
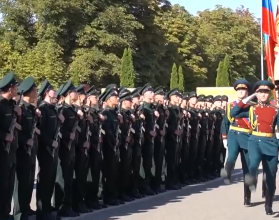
x: 208, y: 201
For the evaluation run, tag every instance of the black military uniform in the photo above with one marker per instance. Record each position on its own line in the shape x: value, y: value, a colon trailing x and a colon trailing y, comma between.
x: 184, y: 163
x: 27, y: 151
x: 95, y: 153
x: 81, y: 156
x: 8, y: 148
x: 194, y: 139
x: 210, y: 139
x: 159, y: 144
x: 148, y: 145
x: 138, y: 126
x: 173, y: 138
x: 67, y: 153
x: 218, y: 142
x: 126, y: 150
x: 111, y: 143
x: 47, y: 154
x: 202, y: 141
x: 224, y: 112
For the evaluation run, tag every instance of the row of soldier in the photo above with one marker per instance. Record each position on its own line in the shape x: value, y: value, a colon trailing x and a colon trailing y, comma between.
x: 115, y: 134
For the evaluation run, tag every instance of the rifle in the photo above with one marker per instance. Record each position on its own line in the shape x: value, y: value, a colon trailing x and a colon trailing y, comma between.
x: 155, y: 125
x: 88, y: 132
x: 141, y: 126
x: 13, y: 123
x: 100, y: 132
x: 33, y: 131
x: 117, y: 132
x: 188, y: 133
x: 165, y: 124
x: 129, y: 131
x: 69, y: 145
x: 212, y: 127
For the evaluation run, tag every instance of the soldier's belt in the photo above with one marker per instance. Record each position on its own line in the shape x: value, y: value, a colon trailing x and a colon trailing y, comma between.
x: 241, y: 129
x: 261, y: 134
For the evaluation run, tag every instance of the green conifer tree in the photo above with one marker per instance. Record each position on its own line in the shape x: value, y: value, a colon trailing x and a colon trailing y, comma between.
x: 222, y: 79
x: 174, y: 77
x: 181, y: 79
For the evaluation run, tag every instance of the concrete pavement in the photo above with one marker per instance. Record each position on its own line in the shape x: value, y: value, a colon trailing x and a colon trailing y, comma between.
x: 207, y: 201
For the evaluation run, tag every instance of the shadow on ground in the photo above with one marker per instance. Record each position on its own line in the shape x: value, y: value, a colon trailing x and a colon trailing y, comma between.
x: 149, y: 203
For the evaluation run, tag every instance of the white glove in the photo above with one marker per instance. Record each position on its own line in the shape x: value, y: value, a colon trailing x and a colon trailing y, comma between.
x: 249, y: 98
x: 225, y: 142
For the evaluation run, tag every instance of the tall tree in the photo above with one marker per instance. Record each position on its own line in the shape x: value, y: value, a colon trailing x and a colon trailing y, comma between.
x: 130, y: 69
x: 181, y: 79
x: 222, y: 79
x: 174, y: 81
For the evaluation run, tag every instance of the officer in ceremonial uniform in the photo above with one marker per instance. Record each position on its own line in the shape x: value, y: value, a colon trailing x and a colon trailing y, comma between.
x: 149, y: 135
x: 218, y: 142
x: 111, y: 143
x: 126, y: 145
x: 138, y: 140
x: 238, y: 135
x: 173, y: 137
x: 48, y: 142
x: 95, y: 151
x: 262, y: 144
x: 8, y: 112
x: 67, y: 148
x: 81, y: 154
x: 159, y: 144
x: 27, y: 150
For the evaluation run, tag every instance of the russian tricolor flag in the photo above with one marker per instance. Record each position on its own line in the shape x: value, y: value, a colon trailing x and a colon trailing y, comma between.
x: 270, y: 37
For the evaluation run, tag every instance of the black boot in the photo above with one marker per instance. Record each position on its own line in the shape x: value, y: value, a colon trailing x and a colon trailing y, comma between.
x: 247, y: 195
x: 226, y: 173
x: 263, y: 189
x: 268, y: 202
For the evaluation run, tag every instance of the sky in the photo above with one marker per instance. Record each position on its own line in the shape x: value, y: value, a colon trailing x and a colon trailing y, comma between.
x: 199, y: 5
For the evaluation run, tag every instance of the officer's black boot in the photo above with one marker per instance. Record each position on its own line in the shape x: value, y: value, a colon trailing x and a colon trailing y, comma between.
x: 226, y: 173
x: 247, y: 195
x: 250, y: 181
x: 67, y: 211
x: 268, y: 202
x: 263, y: 189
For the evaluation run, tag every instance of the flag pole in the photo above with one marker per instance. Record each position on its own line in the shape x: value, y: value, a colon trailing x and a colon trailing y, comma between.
x: 262, y: 59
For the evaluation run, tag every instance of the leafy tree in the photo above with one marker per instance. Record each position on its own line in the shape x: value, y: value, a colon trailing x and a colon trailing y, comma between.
x: 174, y: 81
x: 222, y: 79
x: 181, y: 79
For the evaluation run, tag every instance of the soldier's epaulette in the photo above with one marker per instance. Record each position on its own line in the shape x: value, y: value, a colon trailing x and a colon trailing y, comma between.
x: 42, y: 104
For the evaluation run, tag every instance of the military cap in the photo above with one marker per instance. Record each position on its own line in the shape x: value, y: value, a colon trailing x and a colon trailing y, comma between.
x: 225, y: 98
x: 173, y: 92
x: 159, y: 91
x: 242, y: 84
x: 125, y: 95
x: 44, y: 87
x: 111, y: 86
x: 8, y: 80
x: 209, y: 98
x: 92, y: 91
x: 217, y: 98
x: 192, y: 94
x: 59, y: 90
x: 26, y: 85
x: 263, y: 85
x: 185, y: 96
x: 135, y: 93
x: 109, y: 93
x: 67, y: 88
x: 201, y: 98
x: 147, y: 87
x: 121, y: 88
x: 81, y: 89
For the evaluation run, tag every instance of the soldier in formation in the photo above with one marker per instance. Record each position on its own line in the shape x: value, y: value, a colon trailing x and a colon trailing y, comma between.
x: 102, y: 149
